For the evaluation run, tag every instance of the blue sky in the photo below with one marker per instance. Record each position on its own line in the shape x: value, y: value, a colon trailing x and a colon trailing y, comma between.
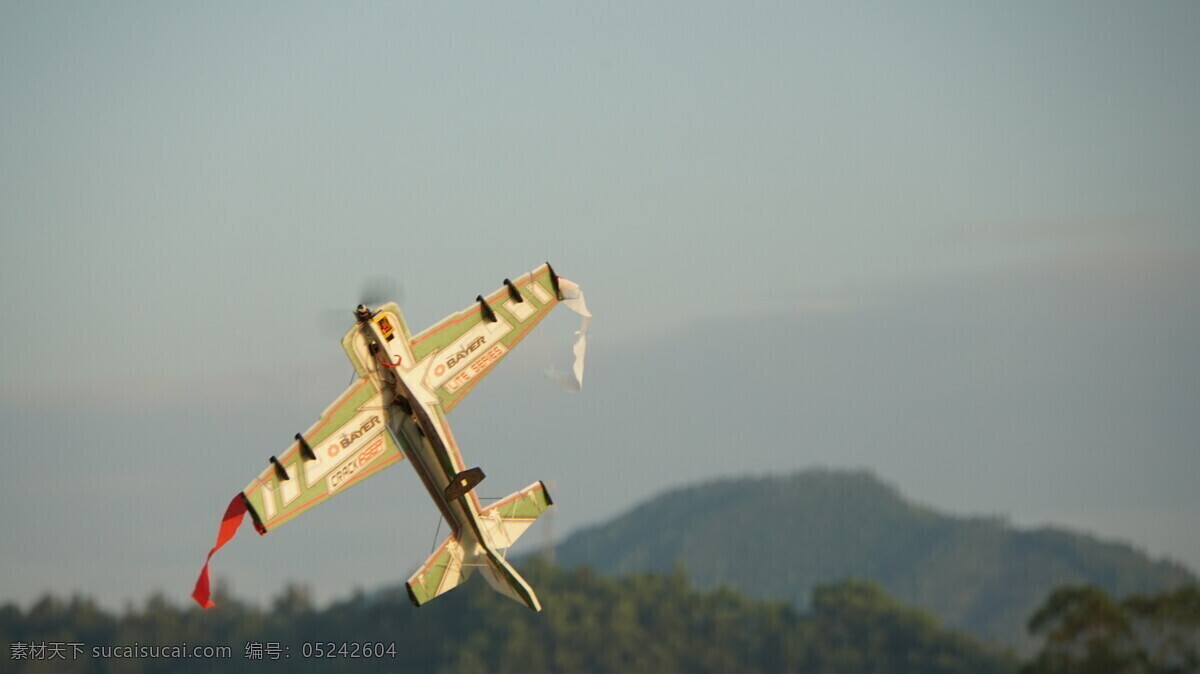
x: 186, y: 191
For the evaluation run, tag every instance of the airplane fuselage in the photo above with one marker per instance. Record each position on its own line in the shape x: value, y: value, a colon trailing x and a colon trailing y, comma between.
x: 416, y: 420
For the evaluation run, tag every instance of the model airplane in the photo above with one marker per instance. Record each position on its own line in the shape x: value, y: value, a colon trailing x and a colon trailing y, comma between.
x: 397, y: 407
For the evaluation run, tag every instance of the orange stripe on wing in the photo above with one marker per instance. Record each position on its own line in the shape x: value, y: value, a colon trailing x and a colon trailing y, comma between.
x: 471, y: 314
x: 284, y: 517
x: 295, y: 447
x: 462, y: 392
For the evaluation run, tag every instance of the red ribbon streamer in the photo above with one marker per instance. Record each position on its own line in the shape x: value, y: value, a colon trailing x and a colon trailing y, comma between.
x: 229, y: 526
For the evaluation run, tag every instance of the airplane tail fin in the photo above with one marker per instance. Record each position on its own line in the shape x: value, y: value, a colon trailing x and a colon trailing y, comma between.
x: 505, y: 580
x: 451, y: 564
x: 502, y: 523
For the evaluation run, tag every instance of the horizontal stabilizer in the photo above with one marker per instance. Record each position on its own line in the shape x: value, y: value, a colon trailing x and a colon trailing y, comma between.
x: 504, y: 522
x: 443, y: 571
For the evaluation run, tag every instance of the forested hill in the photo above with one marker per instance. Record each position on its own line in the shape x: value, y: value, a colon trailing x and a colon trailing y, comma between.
x: 779, y: 537
x: 645, y: 623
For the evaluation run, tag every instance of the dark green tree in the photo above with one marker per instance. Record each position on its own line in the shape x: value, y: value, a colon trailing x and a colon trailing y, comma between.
x: 1087, y: 632
x: 1168, y: 629
x: 648, y: 623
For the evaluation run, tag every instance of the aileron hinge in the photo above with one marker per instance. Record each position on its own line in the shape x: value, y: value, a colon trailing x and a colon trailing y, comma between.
x: 513, y: 293
x: 554, y: 282
x: 305, y: 449
x: 280, y: 471
x: 488, y: 314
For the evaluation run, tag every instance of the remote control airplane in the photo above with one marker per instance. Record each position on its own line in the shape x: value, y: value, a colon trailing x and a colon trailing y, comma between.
x: 397, y: 407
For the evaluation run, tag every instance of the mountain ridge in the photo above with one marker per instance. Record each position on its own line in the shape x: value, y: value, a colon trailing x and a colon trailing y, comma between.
x: 780, y: 536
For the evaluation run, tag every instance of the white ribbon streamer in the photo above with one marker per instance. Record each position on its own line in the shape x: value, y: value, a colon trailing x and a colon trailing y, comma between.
x: 573, y: 298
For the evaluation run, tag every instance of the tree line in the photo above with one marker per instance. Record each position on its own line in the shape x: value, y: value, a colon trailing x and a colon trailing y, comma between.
x: 591, y: 623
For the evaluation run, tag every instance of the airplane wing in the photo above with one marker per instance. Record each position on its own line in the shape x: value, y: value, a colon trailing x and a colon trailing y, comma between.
x: 349, y: 443
x: 465, y: 346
